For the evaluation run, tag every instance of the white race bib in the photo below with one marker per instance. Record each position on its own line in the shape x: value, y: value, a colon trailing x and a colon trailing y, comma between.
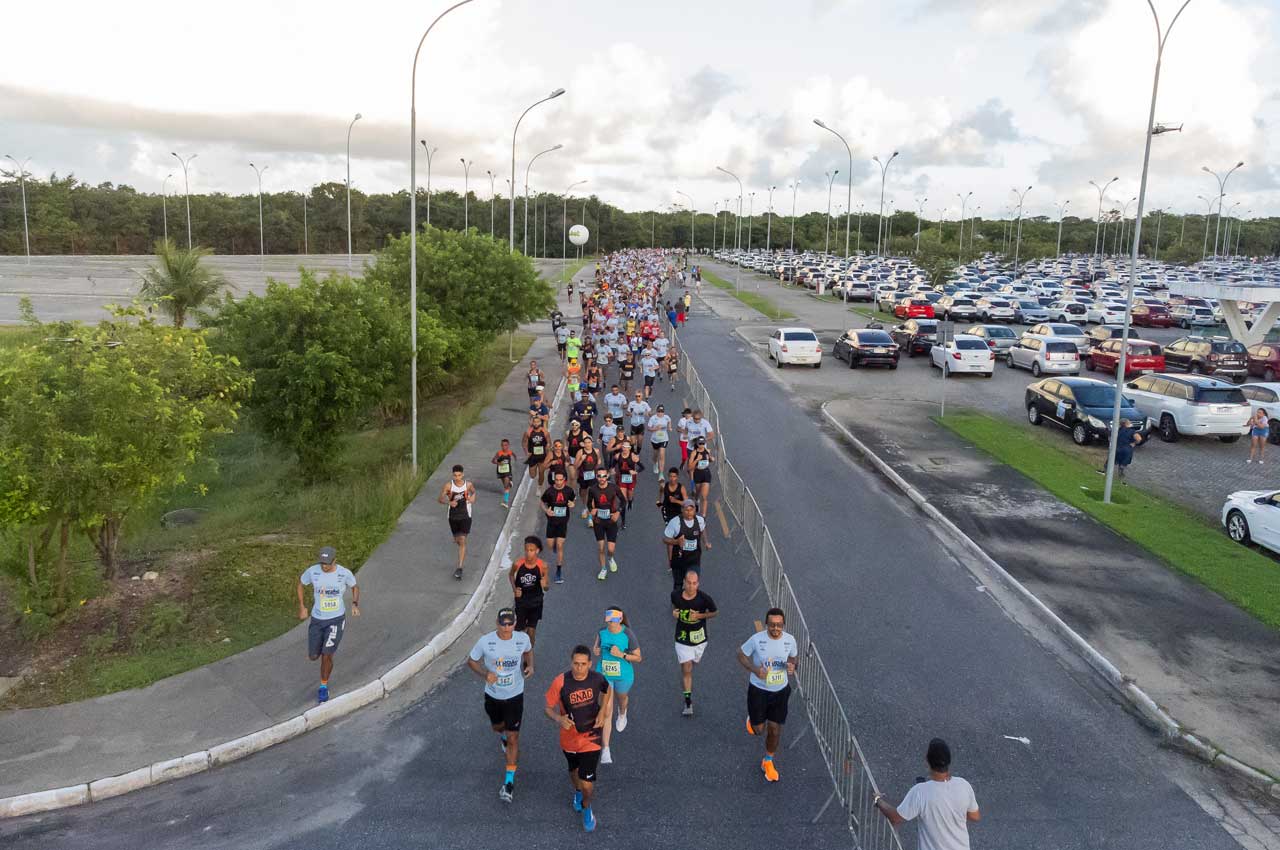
x: 558, y: 510
x: 537, y: 450
x: 330, y: 604
x: 603, y: 513
x: 698, y: 635
x: 504, y: 468
x: 505, y: 680
x: 703, y: 464
x: 690, y: 545
x: 626, y: 478
x: 775, y: 678
x: 588, y: 475
x: 611, y: 666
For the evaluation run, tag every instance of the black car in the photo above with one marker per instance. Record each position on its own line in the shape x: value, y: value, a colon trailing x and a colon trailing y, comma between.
x: 1083, y: 406
x: 1208, y: 355
x: 915, y: 336
x: 866, y: 347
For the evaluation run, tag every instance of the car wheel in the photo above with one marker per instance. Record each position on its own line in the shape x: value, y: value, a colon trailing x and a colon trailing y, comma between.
x: 1088, y: 364
x: 1268, y: 375
x: 818, y: 365
x: 1195, y: 369
x: 1185, y: 325
x: 894, y: 365
x: 1080, y: 434
x: 1273, y: 436
x: 1168, y: 429
x: 1237, y: 527
x: 990, y: 374
x: 1033, y: 414
x: 777, y: 361
x: 853, y: 361
x: 1008, y: 360
x: 1035, y: 369
x: 946, y: 370
x: 1229, y: 438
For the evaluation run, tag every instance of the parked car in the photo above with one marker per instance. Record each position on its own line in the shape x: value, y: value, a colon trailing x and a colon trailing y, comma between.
x: 1263, y: 360
x: 866, y: 347
x: 1143, y: 357
x: 1081, y: 405
x: 1029, y: 311
x: 913, y: 308
x: 1189, y: 316
x: 1253, y: 516
x: 854, y: 290
x: 1191, y: 404
x: 887, y: 297
x: 1208, y: 355
x: 1044, y: 356
x: 795, y: 345
x: 996, y: 310
x: 964, y: 354
x: 1151, y: 316
x: 999, y: 338
x: 915, y: 336
x: 1069, y: 311
x: 1265, y: 397
x: 1061, y: 331
x: 1102, y: 333
x: 952, y: 307
x: 1105, y: 312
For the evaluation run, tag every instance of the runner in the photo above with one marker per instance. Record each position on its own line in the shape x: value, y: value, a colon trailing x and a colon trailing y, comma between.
x: 608, y: 438
x: 505, y: 460
x: 673, y: 367
x: 528, y: 577
x: 535, y: 378
x: 573, y: 438
x: 584, y: 466
x: 579, y: 701
x: 639, y: 413
x: 562, y: 342
x: 328, y: 580
x: 617, y: 649
x: 536, y: 440
x: 627, y: 465
x: 557, y: 503
x: 573, y: 345
x: 691, y: 609
x: 686, y: 537
x: 504, y: 659
x: 699, y: 468
x: 595, y: 377
x: 682, y: 428
x: 649, y: 368
x: 770, y: 655
x: 557, y: 461
x: 573, y: 378
x: 700, y: 427
x: 615, y: 403
x: 659, y: 428
x: 604, y: 500
x: 459, y: 494
x: 584, y: 411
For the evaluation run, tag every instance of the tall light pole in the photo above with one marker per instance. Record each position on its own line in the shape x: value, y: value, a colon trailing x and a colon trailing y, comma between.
x: 262, y: 242
x: 491, y: 193
x: 691, y: 218
x: 794, y: 188
x: 22, y: 181
x: 973, y: 220
x: 466, y: 193
x: 737, y: 229
x: 884, y: 170
x: 1222, y: 191
x: 1226, y: 239
x: 512, y: 219
x: 848, y: 201
x: 564, y: 222
x: 919, y: 221
x: 164, y: 204
x: 768, y: 230
x: 431, y: 153
x: 858, y: 248
x: 527, y: 169
x: 186, y: 190
x: 1062, y: 209
x: 349, y: 127
x: 1017, y: 246
x: 1162, y: 37
x: 1208, y: 214
x: 1159, y: 221
x: 964, y: 201
x: 751, y: 217
x: 1240, y: 229
x: 413, y: 232
x: 1124, y: 217
x: 831, y: 179
x: 1097, y: 227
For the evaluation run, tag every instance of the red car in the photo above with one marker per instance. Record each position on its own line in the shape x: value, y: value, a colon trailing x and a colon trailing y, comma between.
x: 914, y: 308
x: 1151, y: 316
x: 1143, y: 357
x: 1264, y: 360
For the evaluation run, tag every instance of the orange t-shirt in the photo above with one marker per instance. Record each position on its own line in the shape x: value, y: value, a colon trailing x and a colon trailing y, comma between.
x: 581, y: 701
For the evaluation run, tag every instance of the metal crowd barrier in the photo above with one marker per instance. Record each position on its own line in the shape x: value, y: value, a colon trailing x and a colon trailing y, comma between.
x: 855, y: 786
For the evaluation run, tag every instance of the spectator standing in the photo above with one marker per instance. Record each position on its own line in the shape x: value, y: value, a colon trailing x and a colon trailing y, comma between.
x: 944, y: 804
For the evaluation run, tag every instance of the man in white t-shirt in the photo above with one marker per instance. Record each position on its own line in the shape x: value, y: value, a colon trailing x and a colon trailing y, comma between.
x: 504, y: 659
x: 945, y: 804
x: 328, y: 581
x: 659, y: 428
x: 771, y: 657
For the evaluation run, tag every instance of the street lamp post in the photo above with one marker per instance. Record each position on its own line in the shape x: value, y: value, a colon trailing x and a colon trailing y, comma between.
x: 751, y: 217
x: 1097, y: 228
x: 884, y: 170
x: 831, y: 179
x: 22, y: 182
x: 1159, y: 221
x: 1124, y: 218
x: 1240, y: 229
x: 1208, y: 214
x: 262, y: 242
x: 1017, y: 245
x: 973, y: 222
x: 186, y: 189
x: 527, y: 169
x: 715, y: 221
x: 768, y: 229
x: 1162, y: 37
x: 306, y: 237
x: 431, y: 152
x: 691, y: 219
x: 848, y: 201
x: 511, y: 236
x: 413, y: 232
x: 964, y: 201
x: 794, y: 188
x: 1062, y: 208
x: 349, y: 127
x: 466, y: 193
x: 164, y: 204
x: 919, y: 220
x: 735, y: 242
x: 1226, y: 239
x: 1222, y: 191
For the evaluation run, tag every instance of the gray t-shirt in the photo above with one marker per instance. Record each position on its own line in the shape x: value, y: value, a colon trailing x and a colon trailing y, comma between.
x: 327, y: 588
x: 615, y: 404
x: 942, y: 808
x: 503, y: 657
x: 772, y: 655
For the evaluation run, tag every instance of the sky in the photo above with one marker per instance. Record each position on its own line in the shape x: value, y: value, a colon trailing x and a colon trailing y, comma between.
x: 975, y: 96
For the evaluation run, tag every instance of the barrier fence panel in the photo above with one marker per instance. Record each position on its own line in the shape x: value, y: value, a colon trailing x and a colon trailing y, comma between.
x: 854, y: 785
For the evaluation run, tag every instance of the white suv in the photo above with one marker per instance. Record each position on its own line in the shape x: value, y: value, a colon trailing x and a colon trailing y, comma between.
x: 795, y: 345
x: 1195, y: 405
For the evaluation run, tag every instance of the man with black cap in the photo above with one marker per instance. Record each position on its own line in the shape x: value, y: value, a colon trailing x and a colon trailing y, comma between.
x: 687, y: 537
x: 504, y: 659
x: 945, y: 804
x: 329, y: 581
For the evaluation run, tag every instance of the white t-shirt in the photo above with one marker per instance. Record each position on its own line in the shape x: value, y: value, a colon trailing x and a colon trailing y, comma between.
x: 638, y: 410
x: 614, y: 404
x: 772, y: 655
x: 677, y: 525
x: 659, y: 425
x: 660, y: 346
x: 698, y: 428
x: 682, y: 425
x: 649, y: 365
x: 503, y: 657
x: 327, y: 589
x: 941, y: 807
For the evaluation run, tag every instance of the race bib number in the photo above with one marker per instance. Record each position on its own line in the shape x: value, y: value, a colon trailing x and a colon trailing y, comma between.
x: 626, y: 478
x: 589, y: 475
x: 537, y: 450
x: 776, y: 678
x: 659, y: 436
x: 504, y: 468
x: 558, y: 510
x: 505, y: 680
x: 611, y: 667
x: 690, y: 545
x: 698, y: 635
x: 330, y: 604
x: 703, y: 464
x: 603, y: 513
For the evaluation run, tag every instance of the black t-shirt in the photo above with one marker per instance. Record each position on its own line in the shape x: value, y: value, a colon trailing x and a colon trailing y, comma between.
x: 691, y: 632
x: 529, y: 579
x: 604, y: 498
x: 554, y: 498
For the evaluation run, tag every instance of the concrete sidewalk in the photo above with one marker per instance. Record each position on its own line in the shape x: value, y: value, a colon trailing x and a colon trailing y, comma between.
x: 1211, y: 665
x: 408, y: 595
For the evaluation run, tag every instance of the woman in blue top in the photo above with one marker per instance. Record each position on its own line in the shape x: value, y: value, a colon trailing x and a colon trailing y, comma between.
x: 617, y: 650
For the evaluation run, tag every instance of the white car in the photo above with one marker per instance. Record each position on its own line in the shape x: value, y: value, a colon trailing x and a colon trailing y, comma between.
x: 965, y: 353
x: 1105, y: 313
x: 795, y: 346
x: 1192, y: 405
x: 1265, y: 396
x: 1253, y: 515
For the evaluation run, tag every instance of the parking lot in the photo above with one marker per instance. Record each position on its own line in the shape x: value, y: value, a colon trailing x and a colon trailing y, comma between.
x: 1197, y: 472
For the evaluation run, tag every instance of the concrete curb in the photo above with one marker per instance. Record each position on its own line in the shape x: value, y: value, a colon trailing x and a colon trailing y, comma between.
x: 338, y: 707
x: 1147, y: 708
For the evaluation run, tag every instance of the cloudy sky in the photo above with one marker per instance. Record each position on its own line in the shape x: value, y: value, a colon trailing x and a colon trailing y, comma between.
x: 976, y: 95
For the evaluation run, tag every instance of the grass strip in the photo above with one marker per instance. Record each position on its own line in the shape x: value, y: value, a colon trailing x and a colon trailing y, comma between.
x: 874, y: 315
x: 752, y: 299
x: 1175, y: 535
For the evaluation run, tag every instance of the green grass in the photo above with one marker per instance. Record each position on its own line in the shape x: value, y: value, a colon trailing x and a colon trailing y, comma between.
x: 875, y: 315
x: 752, y: 299
x: 560, y: 278
x: 1180, y: 538
x: 233, y: 574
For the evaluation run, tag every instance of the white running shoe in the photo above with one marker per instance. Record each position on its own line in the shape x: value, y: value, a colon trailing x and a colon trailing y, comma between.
x: 606, y: 757
x: 622, y: 722
x: 602, y: 574
x: 613, y: 565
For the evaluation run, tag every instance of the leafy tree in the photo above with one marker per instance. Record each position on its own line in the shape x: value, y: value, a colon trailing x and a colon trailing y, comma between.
x: 95, y: 419
x: 179, y: 283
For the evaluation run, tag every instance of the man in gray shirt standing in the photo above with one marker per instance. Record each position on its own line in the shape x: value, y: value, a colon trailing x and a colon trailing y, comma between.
x: 945, y: 804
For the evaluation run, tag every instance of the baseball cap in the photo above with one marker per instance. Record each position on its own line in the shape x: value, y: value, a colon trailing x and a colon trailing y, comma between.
x: 613, y: 615
x: 689, y: 503
x: 327, y: 555
x: 661, y: 409
x: 507, y: 617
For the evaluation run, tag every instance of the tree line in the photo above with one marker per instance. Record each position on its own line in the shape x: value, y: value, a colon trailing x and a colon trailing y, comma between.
x: 68, y: 216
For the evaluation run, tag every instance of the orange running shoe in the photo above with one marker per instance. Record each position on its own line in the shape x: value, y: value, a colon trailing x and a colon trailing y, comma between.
x: 750, y: 731
x: 770, y: 772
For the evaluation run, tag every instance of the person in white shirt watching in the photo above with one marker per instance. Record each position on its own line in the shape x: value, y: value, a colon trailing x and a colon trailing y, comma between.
x: 945, y: 804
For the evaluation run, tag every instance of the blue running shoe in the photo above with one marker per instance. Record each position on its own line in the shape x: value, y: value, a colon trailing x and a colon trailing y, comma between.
x: 577, y: 801
x: 588, y: 820
x: 322, y: 695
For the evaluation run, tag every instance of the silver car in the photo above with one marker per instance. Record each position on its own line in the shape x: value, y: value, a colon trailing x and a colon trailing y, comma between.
x: 999, y: 338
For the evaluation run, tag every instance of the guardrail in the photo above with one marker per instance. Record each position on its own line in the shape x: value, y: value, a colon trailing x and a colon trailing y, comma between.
x: 855, y: 786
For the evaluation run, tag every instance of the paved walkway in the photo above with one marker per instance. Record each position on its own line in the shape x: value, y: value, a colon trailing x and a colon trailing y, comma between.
x: 408, y: 593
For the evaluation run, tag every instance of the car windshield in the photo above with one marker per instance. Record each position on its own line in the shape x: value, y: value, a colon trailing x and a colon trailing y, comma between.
x: 1143, y: 350
x: 971, y: 344
x: 799, y: 336
x: 1091, y: 395
x: 1029, y: 305
x: 962, y: 302
x: 1002, y: 332
x: 1066, y: 330
x: 874, y: 338
x: 996, y: 302
x: 1226, y: 395
x: 1228, y: 348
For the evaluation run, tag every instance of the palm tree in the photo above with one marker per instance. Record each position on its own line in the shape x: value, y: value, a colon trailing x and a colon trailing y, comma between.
x: 179, y: 283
